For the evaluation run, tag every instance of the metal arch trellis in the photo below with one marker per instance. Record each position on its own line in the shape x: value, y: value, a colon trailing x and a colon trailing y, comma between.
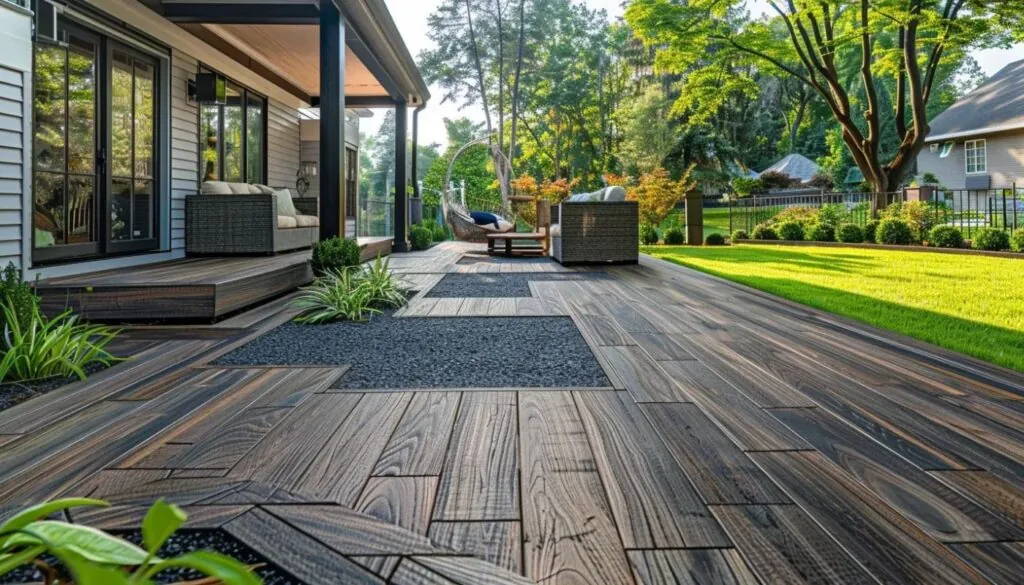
x: 456, y: 213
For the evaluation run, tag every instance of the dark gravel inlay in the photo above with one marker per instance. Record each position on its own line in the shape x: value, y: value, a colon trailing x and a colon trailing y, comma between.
x: 435, y: 352
x: 183, y: 542
x: 14, y: 393
x: 501, y: 285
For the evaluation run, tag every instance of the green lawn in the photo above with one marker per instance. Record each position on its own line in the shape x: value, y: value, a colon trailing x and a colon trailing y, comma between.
x: 970, y: 304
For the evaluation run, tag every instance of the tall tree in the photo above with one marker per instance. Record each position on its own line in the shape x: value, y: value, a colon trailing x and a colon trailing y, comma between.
x: 905, y: 44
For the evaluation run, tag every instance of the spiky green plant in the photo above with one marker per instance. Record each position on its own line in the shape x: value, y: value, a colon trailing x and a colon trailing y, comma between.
x: 335, y: 296
x: 386, y: 289
x: 35, y: 347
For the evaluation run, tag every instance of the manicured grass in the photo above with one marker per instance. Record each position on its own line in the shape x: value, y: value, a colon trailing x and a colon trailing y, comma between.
x: 970, y: 304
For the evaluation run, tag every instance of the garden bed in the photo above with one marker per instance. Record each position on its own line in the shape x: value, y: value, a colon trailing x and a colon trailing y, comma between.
x: 435, y: 352
x: 501, y: 284
x: 967, y: 251
x: 180, y: 543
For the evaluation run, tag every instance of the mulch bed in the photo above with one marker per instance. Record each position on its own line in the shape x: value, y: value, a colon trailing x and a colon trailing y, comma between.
x: 480, y: 285
x: 435, y: 352
x: 183, y: 542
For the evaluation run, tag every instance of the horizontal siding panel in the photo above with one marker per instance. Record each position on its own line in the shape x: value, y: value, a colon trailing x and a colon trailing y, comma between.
x: 10, y: 217
x: 11, y: 108
x: 11, y: 186
x: 10, y: 92
x: 11, y: 233
x: 10, y: 77
x: 11, y: 248
x: 11, y: 155
x: 10, y: 171
x: 10, y: 123
x: 184, y: 144
x: 282, y: 144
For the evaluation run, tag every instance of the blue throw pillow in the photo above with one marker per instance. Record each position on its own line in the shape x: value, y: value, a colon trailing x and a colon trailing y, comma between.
x: 484, y: 218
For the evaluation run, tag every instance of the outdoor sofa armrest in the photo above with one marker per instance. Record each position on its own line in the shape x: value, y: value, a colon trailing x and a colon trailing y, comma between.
x: 307, y: 205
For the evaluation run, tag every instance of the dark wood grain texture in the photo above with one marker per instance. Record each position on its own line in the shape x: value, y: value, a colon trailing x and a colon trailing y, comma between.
x: 1002, y: 498
x: 1001, y: 562
x: 402, y: 501
x: 886, y: 543
x: 352, y: 533
x: 562, y: 493
x: 470, y: 571
x: 421, y: 438
x: 718, y: 469
x: 651, y: 498
x: 690, y: 567
x: 225, y: 446
x: 645, y: 380
x: 937, y: 509
x: 499, y: 543
x: 479, y: 480
x: 296, y: 552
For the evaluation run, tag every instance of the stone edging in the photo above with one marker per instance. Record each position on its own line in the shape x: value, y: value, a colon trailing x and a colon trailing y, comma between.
x: 964, y: 251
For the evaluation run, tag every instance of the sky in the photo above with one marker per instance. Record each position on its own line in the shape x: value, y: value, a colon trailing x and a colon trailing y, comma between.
x: 411, y: 18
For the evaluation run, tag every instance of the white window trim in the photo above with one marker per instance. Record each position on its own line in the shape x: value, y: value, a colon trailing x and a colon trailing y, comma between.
x: 984, y: 148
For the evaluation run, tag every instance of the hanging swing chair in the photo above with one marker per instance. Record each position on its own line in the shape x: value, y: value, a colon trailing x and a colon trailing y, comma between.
x: 457, y: 214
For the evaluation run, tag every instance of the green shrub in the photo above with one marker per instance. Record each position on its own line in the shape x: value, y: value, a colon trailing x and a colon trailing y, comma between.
x: 894, y: 232
x: 739, y: 235
x: 790, y: 230
x: 93, y: 557
x: 804, y: 215
x: 832, y: 214
x: 764, y: 232
x: 420, y: 237
x: 822, y: 232
x: 1017, y: 241
x: 991, y: 239
x: 437, y: 231
x: 674, y: 237
x: 18, y: 294
x: 920, y: 216
x: 945, y: 236
x: 648, y: 235
x: 849, y: 233
x: 714, y: 239
x: 334, y: 254
x: 870, y: 231
x: 35, y: 347
x: 350, y: 294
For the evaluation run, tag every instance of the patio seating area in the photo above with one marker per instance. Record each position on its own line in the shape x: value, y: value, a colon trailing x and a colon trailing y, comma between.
x: 739, y: 439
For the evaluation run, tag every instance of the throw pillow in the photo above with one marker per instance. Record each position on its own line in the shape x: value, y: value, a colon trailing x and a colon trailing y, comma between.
x: 614, y: 194
x: 484, y: 218
x: 285, y: 205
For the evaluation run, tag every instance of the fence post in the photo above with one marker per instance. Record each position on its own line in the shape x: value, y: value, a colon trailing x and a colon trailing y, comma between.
x: 694, y: 218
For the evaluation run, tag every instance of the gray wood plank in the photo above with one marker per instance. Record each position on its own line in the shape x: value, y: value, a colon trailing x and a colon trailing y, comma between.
x: 479, y: 480
x: 690, y: 567
x: 499, y: 543
x: 352, y: 533
x: 568, y: 530
x: 642, y: 376
x: 721, y: 472
x: 651, y: 498
x: 419, y: 443
x: 1001, y: 562
x: 402, y: 501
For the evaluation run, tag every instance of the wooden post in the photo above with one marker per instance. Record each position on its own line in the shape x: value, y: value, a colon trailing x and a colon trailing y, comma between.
x: 694, y: 218
x: 401, y: 243
x: 332, y: 121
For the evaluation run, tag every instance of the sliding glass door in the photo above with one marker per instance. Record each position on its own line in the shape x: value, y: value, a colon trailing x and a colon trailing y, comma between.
x: 94, y: 179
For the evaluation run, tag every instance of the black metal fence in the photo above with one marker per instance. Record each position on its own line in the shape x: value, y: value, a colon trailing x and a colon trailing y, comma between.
x: 966, y: 209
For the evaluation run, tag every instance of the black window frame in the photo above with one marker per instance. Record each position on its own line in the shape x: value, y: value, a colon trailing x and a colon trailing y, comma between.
x: 246, y: 92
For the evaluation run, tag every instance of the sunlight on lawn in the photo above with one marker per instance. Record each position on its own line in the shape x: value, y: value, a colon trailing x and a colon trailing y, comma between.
x: 971, y: 304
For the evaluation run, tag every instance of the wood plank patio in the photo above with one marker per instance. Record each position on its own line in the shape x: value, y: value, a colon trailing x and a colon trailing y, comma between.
x: 744, y: 440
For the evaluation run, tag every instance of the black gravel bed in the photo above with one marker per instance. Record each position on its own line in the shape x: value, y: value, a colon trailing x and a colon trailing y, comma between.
x: 182, y: 542
x: 435, y: 352
x: 13, y: 393
x: 515, y: 284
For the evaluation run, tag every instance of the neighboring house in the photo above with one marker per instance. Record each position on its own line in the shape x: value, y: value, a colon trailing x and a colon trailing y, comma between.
x: 102, y: 139
x: 797, y: 166
x: 978, y: 142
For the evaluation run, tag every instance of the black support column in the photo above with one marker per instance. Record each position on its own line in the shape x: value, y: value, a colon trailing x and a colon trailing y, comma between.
x: 401, y: 243
x: 332, y: 121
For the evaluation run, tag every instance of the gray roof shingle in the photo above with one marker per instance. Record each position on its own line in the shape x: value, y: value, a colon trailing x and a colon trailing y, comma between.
x: 997, y: 105
x: 797, y: 166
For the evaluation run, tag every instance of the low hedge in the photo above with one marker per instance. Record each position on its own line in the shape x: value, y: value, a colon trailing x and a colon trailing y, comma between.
x: 991, y: 239
x: 850, y: 233
x: 945, y: 236
x: 894, y: 232
x: 790, y: 230
x: 764, y: 232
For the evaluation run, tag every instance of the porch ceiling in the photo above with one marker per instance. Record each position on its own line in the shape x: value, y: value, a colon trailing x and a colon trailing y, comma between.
x: 293, y: 52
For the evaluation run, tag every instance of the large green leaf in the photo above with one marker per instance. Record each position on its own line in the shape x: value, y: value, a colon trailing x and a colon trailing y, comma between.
x: 92, y: 544
x: 12, y: 561
x: 227, y: 569
x: 86, y: 572
x: 161, y: 521
x: 29, y: 515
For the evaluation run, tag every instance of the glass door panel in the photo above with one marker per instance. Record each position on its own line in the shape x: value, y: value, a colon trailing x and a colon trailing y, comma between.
x: 233, y: 123
x: 65, y: 173
x: 133, y: 150
x: 254, y: 139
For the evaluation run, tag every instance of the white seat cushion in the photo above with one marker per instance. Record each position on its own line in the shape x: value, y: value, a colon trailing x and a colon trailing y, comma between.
x: 215, y: 188
x: 240, y: 188
x: 556, y: 230
x: 614, y: 194
x: 307, y: 221
x: 503, y: 226
x: 264, y: 190
x: 285, y: 205
x: 285, y: 222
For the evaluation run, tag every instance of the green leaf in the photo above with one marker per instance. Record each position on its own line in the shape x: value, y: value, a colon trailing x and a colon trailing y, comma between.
x: 86, y: 572
x: 227, y: 569
x: 92, y: 544
x: 30, y: 515
x: 161, y: 521
x: 14, y: 560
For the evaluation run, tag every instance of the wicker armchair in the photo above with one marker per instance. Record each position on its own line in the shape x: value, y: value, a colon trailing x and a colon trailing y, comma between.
x: 596, y: 232
x: 242, y: 224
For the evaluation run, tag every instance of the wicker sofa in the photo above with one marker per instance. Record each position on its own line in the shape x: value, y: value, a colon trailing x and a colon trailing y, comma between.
x: 239, y: 218
x: 593, y: 232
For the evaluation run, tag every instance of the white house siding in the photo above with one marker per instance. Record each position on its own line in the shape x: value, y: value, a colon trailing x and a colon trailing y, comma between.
x: 1005, y: 153
x: 282, y: 144
x: 184, y: 145
x: 15, y: 84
